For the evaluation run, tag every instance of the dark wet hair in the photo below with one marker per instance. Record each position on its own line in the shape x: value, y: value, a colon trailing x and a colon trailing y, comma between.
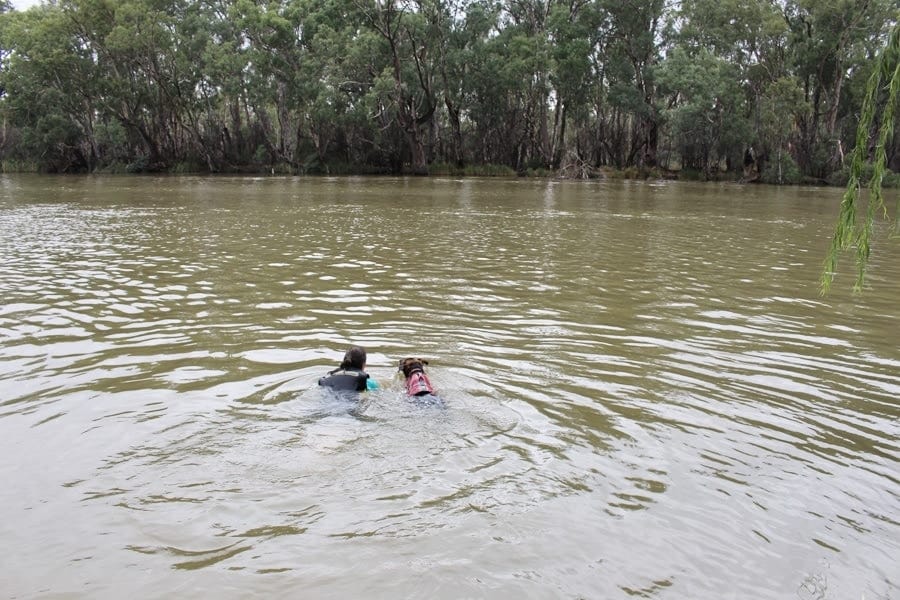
x: 354, y: 358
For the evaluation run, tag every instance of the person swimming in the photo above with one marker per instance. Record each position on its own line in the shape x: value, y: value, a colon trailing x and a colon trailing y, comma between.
x: 351, y: 375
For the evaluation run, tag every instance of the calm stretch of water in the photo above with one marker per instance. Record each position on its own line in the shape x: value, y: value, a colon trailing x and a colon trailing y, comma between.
x: 644, y: 394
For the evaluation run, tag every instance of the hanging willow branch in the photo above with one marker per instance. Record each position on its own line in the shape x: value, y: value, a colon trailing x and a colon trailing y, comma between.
x: 848, y: 231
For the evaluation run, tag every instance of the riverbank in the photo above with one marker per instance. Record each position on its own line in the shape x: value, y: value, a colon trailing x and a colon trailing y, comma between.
x: 573, y: 172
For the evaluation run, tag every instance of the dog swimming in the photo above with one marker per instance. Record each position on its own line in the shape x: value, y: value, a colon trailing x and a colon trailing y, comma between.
x: 417, y: 383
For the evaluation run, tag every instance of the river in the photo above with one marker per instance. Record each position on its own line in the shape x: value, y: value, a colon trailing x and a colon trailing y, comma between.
x: 643, y: 392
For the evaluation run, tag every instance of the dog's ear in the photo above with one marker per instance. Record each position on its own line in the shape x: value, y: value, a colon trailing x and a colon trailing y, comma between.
x: 423, y: 361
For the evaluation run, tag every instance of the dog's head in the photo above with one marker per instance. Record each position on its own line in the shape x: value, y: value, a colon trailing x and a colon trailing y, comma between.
x: 408, y: 366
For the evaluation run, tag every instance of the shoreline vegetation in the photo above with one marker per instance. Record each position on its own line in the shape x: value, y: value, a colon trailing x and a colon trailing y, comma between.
x: 839, y: 179
x: 700, y: 90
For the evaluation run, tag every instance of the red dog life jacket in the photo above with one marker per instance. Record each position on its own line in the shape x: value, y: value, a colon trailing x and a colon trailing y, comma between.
x: 417, y: 384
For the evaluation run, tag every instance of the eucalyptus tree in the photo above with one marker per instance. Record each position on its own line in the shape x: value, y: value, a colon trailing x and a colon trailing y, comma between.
x: 777, y: 111
x: 604, y: 138
x: 750, y: 37
x: 229, y: 123
x: 273, y: 72
x: 526, y: 23
x: 575, y: 33
x: 181, y: 73
x: 336, y: 76
x: 493, y: 80
x: 454, y: 28
x: 404, y: 90
x: 113, y: 34
x: 637, y: 38
x: 5, y: 7
x: 50, y: 85
x: 705, y: 113
x: 149, y: 56
x: 510, y: 91
x: 531, y: 70
x: 827, y: 40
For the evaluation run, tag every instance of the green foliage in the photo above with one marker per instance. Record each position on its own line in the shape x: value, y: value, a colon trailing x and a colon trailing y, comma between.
x: 782, y: 170
x: 842, y: 177
x: 781, y: 105
x: 705, y: 115
x: 406, y: 85
x: 827, y: 40
x: 884, y: 82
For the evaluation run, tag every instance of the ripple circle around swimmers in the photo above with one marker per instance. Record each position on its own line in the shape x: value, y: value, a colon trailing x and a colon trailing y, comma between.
x: 351, y: 375
x: 417, y: 383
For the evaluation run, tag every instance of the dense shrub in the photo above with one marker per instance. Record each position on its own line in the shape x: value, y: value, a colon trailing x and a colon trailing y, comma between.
x: 841, y: 177
x: 782, y: 170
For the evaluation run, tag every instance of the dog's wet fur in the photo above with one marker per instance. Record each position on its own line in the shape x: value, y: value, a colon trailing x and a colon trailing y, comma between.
x: 410, y: 365
x: 419, y: 387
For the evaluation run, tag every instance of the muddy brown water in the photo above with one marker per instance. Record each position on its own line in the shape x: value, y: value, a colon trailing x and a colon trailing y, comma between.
x: 644, y: 393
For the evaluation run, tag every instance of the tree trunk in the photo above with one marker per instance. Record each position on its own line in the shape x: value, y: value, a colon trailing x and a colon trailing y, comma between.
x: 455, y: 133
x: 559, y: 134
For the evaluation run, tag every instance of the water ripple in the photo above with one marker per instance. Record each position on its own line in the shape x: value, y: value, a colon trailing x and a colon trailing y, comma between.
x: 642, y: 392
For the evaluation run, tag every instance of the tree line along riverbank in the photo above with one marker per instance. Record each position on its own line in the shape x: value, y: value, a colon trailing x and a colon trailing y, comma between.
x: 752, y: 90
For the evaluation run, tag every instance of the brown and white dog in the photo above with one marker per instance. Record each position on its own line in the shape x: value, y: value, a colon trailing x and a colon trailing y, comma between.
x: 417, y: 383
